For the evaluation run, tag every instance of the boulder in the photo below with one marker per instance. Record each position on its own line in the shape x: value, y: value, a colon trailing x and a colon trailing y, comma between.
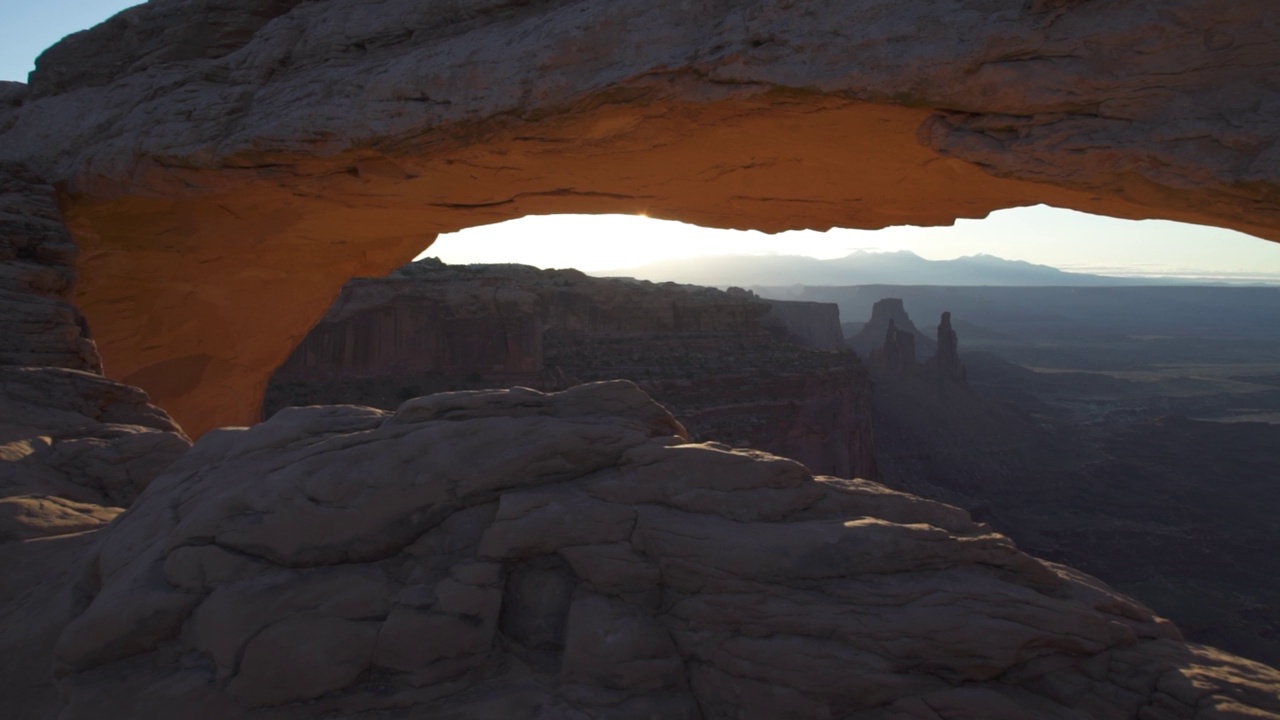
x: 520, y: 554
x: 75, y: 448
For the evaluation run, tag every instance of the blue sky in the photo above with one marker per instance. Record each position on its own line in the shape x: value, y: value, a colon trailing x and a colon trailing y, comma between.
x: 30, y: 26
x: 1064, y: 239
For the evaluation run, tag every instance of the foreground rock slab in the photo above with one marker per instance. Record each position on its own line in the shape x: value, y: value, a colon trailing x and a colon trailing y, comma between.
x: 524, y: 555
x: 75, y: 448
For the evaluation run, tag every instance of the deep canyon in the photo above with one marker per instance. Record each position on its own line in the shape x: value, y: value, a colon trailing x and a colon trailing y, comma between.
x: 186, y: 187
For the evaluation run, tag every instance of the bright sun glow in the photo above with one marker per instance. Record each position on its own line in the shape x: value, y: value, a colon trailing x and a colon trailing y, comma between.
x: 1061, y: 238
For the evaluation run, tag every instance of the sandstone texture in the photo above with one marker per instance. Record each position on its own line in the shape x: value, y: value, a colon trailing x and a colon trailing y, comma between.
x: 73, y: 438
x: 39, y: 325
x: 517, y: 554
x: 220, y: 158
x: 74, y: 447
x: 730, y: 366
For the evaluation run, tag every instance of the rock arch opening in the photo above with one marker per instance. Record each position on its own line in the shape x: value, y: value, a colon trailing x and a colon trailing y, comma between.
x: 221, y: 195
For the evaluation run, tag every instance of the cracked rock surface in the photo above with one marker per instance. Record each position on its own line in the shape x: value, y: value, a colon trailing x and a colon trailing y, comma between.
x: 523, y: 555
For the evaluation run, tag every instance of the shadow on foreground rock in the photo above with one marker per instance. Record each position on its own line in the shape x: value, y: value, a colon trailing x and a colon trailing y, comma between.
x: 524, y: 555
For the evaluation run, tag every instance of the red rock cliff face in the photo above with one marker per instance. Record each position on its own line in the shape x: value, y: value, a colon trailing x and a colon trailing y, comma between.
x: 817, y: 416
x: 733, y: 368
x: 400, y: 325
x: 815, y: 325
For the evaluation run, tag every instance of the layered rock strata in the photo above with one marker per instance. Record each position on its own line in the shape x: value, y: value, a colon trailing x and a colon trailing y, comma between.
x: 216, y: 159
x: 515, y: 554
x: 727, y: 363
x: 39, y: 325
x: 75, y: 448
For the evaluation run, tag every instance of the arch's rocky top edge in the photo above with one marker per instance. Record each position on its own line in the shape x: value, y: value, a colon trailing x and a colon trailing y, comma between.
x: 1156, y: 104
x: 218, y: 158
x: 516, y: 554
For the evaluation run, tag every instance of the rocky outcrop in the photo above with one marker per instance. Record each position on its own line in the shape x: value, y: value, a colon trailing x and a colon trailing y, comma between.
x: 814, y: 325
x: 80, y: 437
x: 413, y: 328
x: 894, y: 358
x: 216, y: 159
x: 946, y: 360
x: 515, y: 554
x: 788, y: 404
x: 39, y: 326
x: 429, y: 318
x: 74, y: 447
x: 732, y: 367
x: 898, y: 354
x: 887, y: 313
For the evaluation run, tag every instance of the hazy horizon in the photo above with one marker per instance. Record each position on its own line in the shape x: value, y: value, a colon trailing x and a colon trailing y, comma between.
x: 1067, y: 240
x: 1098, y: 270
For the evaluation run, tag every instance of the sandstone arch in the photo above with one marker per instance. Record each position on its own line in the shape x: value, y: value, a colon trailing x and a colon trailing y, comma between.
x: 224, y: 169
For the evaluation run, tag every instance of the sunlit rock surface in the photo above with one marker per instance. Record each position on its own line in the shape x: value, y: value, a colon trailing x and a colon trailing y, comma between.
x: 226, y: 167
x: 515, y: 554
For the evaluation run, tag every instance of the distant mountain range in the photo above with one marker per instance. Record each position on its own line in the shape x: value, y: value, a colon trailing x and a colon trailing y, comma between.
x: 868, y: 268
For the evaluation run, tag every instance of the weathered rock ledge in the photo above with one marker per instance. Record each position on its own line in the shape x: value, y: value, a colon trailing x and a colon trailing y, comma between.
x: 521, y: 555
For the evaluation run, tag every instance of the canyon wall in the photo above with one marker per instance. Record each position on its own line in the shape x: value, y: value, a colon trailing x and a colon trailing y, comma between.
x: 815, y: 325
x: 732, y: 367
x: 214, y: 160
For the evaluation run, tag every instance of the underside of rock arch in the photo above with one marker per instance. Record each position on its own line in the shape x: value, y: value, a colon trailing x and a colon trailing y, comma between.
x: 224, y: 169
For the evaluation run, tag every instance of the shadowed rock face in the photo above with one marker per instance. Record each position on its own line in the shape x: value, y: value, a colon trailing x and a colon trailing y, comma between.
x: 39, y: 325
x: 75, y: 447
x: 221, y: 158
x: 946, y: 360
x: 875, y: 334
x: 732, y: 367
x: 515, y: 554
